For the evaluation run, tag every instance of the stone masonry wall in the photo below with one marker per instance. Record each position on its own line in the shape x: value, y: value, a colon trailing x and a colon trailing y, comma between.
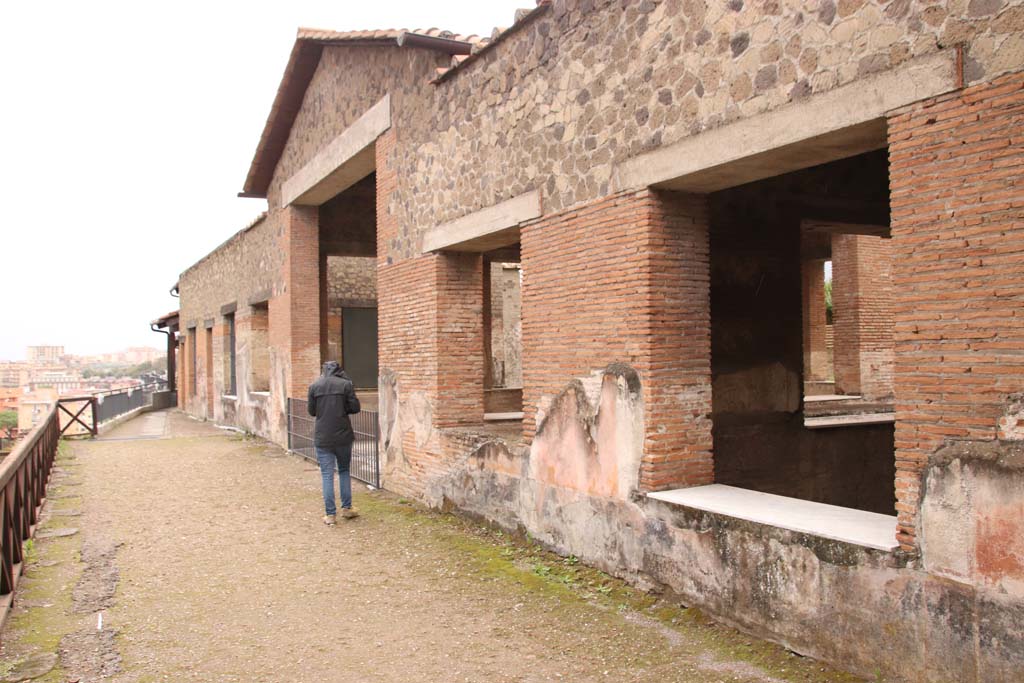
x: 593, y: 82
x: 348, y: 81
x: 245, y: 268
x: 351, y: 282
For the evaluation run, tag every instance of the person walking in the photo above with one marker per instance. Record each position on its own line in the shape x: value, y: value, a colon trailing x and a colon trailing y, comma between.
x: 332, y: 398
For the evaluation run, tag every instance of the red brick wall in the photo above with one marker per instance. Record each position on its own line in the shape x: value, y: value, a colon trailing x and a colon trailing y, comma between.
x: 625, y: 279
x: 957, y: 179
x: 862, y: 309
x: 459, y: 289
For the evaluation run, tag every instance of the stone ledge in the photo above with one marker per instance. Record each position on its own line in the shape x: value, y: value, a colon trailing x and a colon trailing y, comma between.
x: 830, y: 421
x: 856, y: 527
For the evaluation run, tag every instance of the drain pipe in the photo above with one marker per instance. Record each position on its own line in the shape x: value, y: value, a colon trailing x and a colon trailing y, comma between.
x: 171, y: 348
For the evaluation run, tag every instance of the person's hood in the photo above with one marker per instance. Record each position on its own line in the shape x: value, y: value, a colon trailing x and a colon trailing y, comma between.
x: 331, y: 367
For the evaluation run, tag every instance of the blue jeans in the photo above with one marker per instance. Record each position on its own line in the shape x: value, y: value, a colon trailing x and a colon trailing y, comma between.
x: 329, y: 458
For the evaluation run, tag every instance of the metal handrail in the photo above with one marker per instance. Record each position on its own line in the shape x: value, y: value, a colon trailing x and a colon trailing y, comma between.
x: 152, y: 386
x: 23, y: 477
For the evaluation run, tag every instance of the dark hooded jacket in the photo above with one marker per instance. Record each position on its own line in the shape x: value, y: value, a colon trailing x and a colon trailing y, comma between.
x: 332, y: 398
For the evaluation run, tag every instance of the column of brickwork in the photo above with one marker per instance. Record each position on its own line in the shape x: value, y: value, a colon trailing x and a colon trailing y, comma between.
x: 677, y: 444
x: 301, y: 310
x: 626, y: 280
x: 815, y: 318
x: 845, y: 328
x: 460, y: 291
x: 862, y: 293
x: 957, y: 197
x: 211, y: 361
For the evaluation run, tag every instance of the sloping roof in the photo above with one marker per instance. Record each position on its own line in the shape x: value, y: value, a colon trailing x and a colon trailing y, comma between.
x: 166, y: 318
x: 302, y: 63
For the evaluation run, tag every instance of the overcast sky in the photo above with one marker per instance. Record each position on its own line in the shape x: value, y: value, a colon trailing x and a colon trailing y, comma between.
x: 126, y: 128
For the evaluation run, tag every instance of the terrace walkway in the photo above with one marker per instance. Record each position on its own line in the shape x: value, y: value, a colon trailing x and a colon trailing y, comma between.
x: 172, y: 550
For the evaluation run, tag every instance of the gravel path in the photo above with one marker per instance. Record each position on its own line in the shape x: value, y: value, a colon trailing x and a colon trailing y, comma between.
x: 204, y: 552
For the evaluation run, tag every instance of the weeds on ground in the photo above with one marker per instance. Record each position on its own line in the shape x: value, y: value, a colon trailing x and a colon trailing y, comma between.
x: 519, y: 558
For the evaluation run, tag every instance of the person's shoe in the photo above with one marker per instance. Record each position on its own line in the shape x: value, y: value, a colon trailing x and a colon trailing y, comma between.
x: 329, y: 520
x: 349, y: 513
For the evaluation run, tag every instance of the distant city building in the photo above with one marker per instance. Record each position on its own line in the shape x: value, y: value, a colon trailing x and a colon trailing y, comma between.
x: 9, y: 397
x: 47, y: 355
x: 33, y: 407
x: 14, y: 373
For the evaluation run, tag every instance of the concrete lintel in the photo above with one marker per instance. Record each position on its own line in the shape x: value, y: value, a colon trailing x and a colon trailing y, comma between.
x: 487, y: 229
x: 837, y: 227
x: 261, y: 298
x: 348, y: 158
x: 856, y: 420
x: 228, y: 309
x: 836, y: 124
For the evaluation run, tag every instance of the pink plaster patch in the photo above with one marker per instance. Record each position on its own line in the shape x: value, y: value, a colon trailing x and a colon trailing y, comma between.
x: 1000, y: 543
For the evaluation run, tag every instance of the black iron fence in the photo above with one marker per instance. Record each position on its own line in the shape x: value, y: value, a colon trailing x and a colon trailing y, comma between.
x: 111, y: 404
x: 366, y: 424
x: 23, y: 477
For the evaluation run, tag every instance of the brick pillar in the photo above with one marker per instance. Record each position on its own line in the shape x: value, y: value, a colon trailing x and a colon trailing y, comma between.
x: 208, y: 370
x: 862, y: 314
x: 677, y: 321
x: 460, y: 339
x: 487, y: 301
x: 300, y: 311
x: 816, y: 365
x: 634, y: 289
x: 957, y: 196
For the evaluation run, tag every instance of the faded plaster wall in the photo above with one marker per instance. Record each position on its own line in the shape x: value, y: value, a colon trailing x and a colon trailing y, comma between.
x: 506, y: 325
x: 574, y: 490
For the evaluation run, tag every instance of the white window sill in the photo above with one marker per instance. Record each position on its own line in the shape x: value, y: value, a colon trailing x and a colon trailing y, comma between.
x: 857, y: 527
x: 498, y: 417
x: 827, y: 421
x: 260, y: 394
x: 821, y: 398
x: 229, y: 397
